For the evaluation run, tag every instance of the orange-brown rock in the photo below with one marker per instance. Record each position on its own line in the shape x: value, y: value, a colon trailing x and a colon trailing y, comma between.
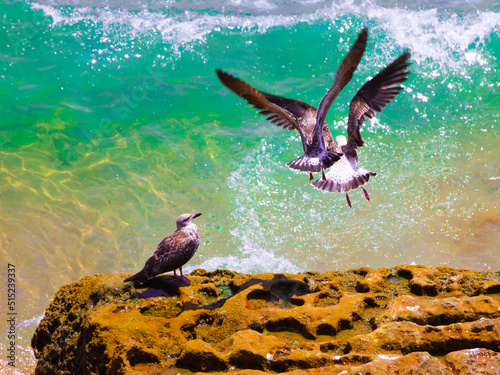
x: 474, y: 361
x: 402, y: 320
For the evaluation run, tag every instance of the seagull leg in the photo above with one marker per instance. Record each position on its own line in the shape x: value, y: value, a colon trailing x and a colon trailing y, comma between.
x: 311, y: 176
x: 184, y: 278
x: 324, y: 177
x: 366, y: 193
x: 175, y: 274
x: 348, y: 200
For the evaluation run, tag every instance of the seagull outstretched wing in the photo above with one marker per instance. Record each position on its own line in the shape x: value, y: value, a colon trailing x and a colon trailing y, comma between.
x: 373, y: 96
x: 288, y: 113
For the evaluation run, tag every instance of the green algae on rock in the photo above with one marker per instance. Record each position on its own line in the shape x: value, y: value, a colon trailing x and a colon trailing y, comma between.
x: 406, y: 319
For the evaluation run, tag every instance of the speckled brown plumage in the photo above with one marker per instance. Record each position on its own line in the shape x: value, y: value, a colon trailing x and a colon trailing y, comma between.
x: 173, y: 251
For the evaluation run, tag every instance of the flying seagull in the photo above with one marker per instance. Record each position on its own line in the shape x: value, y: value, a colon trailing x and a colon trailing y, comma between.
x: 345, y: 174
x: 173, y: 251
x: 308, y: 121
x: 374, y: 95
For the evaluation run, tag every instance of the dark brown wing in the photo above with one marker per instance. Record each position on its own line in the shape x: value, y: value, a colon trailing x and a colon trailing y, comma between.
x: 173, y: 252
x: 296, y: 107
x: 282, y: 111
x: 374, y: 96
x: 343, y: 76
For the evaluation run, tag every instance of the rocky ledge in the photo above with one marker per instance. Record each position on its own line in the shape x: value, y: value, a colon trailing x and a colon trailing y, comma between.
x: 401, y: 320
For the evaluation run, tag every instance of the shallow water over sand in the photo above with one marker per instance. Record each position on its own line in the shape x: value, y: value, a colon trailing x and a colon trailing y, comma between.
x: 113, y: 123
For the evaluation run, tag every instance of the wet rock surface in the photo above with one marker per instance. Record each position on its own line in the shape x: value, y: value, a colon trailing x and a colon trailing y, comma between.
x: 401, y: 320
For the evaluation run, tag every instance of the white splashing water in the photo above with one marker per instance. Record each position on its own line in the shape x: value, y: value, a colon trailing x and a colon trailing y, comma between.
x: 430, y: 35
x: 439, y: 35
x: 250, y: 183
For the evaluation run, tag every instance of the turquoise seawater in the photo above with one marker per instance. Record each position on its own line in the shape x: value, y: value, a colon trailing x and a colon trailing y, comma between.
x: 113, y: 123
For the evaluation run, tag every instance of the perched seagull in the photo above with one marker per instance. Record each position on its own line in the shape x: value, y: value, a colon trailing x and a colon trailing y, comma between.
x: 173, y: 251
x: 374, y: 95
x: 317, y: 140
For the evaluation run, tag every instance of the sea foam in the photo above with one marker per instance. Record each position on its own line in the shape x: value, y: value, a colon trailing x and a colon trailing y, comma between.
x: 432, y: 34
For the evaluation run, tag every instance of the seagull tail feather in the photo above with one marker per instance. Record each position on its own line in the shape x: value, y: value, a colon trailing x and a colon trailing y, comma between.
x: 341, y: 185
x: 308, y: 163
x: 140, y: 276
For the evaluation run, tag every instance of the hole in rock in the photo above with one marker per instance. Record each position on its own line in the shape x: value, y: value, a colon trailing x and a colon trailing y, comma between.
x: 137, y: 356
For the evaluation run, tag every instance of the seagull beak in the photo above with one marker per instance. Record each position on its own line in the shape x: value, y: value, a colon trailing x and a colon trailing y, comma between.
x: 196, y: 215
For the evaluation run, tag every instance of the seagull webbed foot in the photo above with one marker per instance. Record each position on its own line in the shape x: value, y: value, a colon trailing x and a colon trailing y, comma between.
x: 311, y: 176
